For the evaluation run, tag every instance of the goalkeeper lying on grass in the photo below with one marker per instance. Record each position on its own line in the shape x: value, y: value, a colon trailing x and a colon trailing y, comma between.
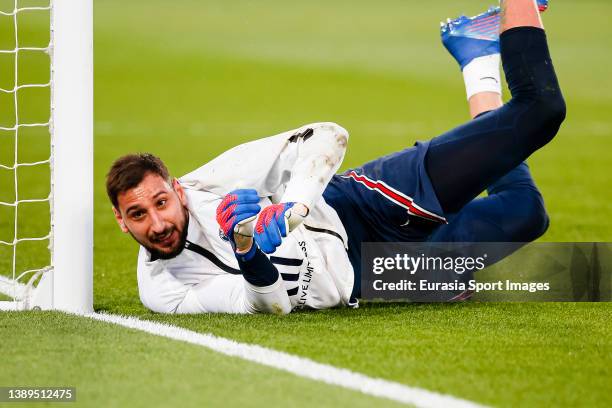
x: 268, y: 226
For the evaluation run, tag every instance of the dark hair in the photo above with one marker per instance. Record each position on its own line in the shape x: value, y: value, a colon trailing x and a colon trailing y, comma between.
x: 128, y: 171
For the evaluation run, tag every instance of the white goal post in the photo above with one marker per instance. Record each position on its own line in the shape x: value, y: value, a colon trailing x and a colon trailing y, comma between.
x: 67, y: 283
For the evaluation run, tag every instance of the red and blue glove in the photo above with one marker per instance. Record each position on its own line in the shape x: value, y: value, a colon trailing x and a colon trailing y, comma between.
x: 237, y: 206
x: 271, y: 227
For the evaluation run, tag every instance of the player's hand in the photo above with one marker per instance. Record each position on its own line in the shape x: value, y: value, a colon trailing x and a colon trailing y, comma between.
x: 275, y: 221
x: 238, y: 207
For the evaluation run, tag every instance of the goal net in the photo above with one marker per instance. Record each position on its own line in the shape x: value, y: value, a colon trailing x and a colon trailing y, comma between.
x: 46, y: 149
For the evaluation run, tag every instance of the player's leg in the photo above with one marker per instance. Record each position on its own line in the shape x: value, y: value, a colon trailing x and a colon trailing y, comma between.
x: 392, y: 199
x: 474, y: 43
x: 464, y: 161
x: 521, y: 13
x: 514, y: 210
x: 393, y: 195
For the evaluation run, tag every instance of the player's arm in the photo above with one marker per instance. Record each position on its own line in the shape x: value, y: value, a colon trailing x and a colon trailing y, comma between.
x: 265, y: 290
x: 234, y: 294
x: 294, y: 166
x: 161, y: 292
x: 320, y: 151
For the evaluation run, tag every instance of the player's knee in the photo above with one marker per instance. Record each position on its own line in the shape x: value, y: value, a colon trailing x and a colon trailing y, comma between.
x: 531, y: 221
x: 549, y: 113
x: 553, y: 109
x: 540, y: 221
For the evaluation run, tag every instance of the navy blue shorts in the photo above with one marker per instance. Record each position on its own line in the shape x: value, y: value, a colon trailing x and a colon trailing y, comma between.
x: 391, y: 199
x: 391, y: 196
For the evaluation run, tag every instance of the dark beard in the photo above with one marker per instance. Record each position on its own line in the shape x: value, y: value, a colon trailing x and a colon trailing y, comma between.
x: 155, y: 254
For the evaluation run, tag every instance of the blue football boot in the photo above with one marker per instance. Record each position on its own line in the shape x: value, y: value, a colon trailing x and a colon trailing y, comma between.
x: 467, y: 38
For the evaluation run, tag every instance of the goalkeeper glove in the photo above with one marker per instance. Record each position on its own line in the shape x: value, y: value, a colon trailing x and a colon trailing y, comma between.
x: 238, y: 208
x: 275, y: 221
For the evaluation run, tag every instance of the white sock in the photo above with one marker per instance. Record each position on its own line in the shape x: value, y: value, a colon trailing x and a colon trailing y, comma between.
x: 482, y: 75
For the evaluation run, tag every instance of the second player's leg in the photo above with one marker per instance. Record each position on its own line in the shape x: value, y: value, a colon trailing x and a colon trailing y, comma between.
x: 464, y: 161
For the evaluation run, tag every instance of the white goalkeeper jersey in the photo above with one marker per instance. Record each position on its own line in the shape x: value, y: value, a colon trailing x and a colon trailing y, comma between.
x: 314, y: 269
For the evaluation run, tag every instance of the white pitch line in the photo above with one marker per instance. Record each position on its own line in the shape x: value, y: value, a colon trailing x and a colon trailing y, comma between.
x: 300, y: 366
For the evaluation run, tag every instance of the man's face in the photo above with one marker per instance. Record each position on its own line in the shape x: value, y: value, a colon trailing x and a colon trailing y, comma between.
x: 155, y: 214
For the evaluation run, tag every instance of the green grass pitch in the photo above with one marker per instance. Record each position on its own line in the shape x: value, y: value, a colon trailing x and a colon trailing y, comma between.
x: 189, y: 79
